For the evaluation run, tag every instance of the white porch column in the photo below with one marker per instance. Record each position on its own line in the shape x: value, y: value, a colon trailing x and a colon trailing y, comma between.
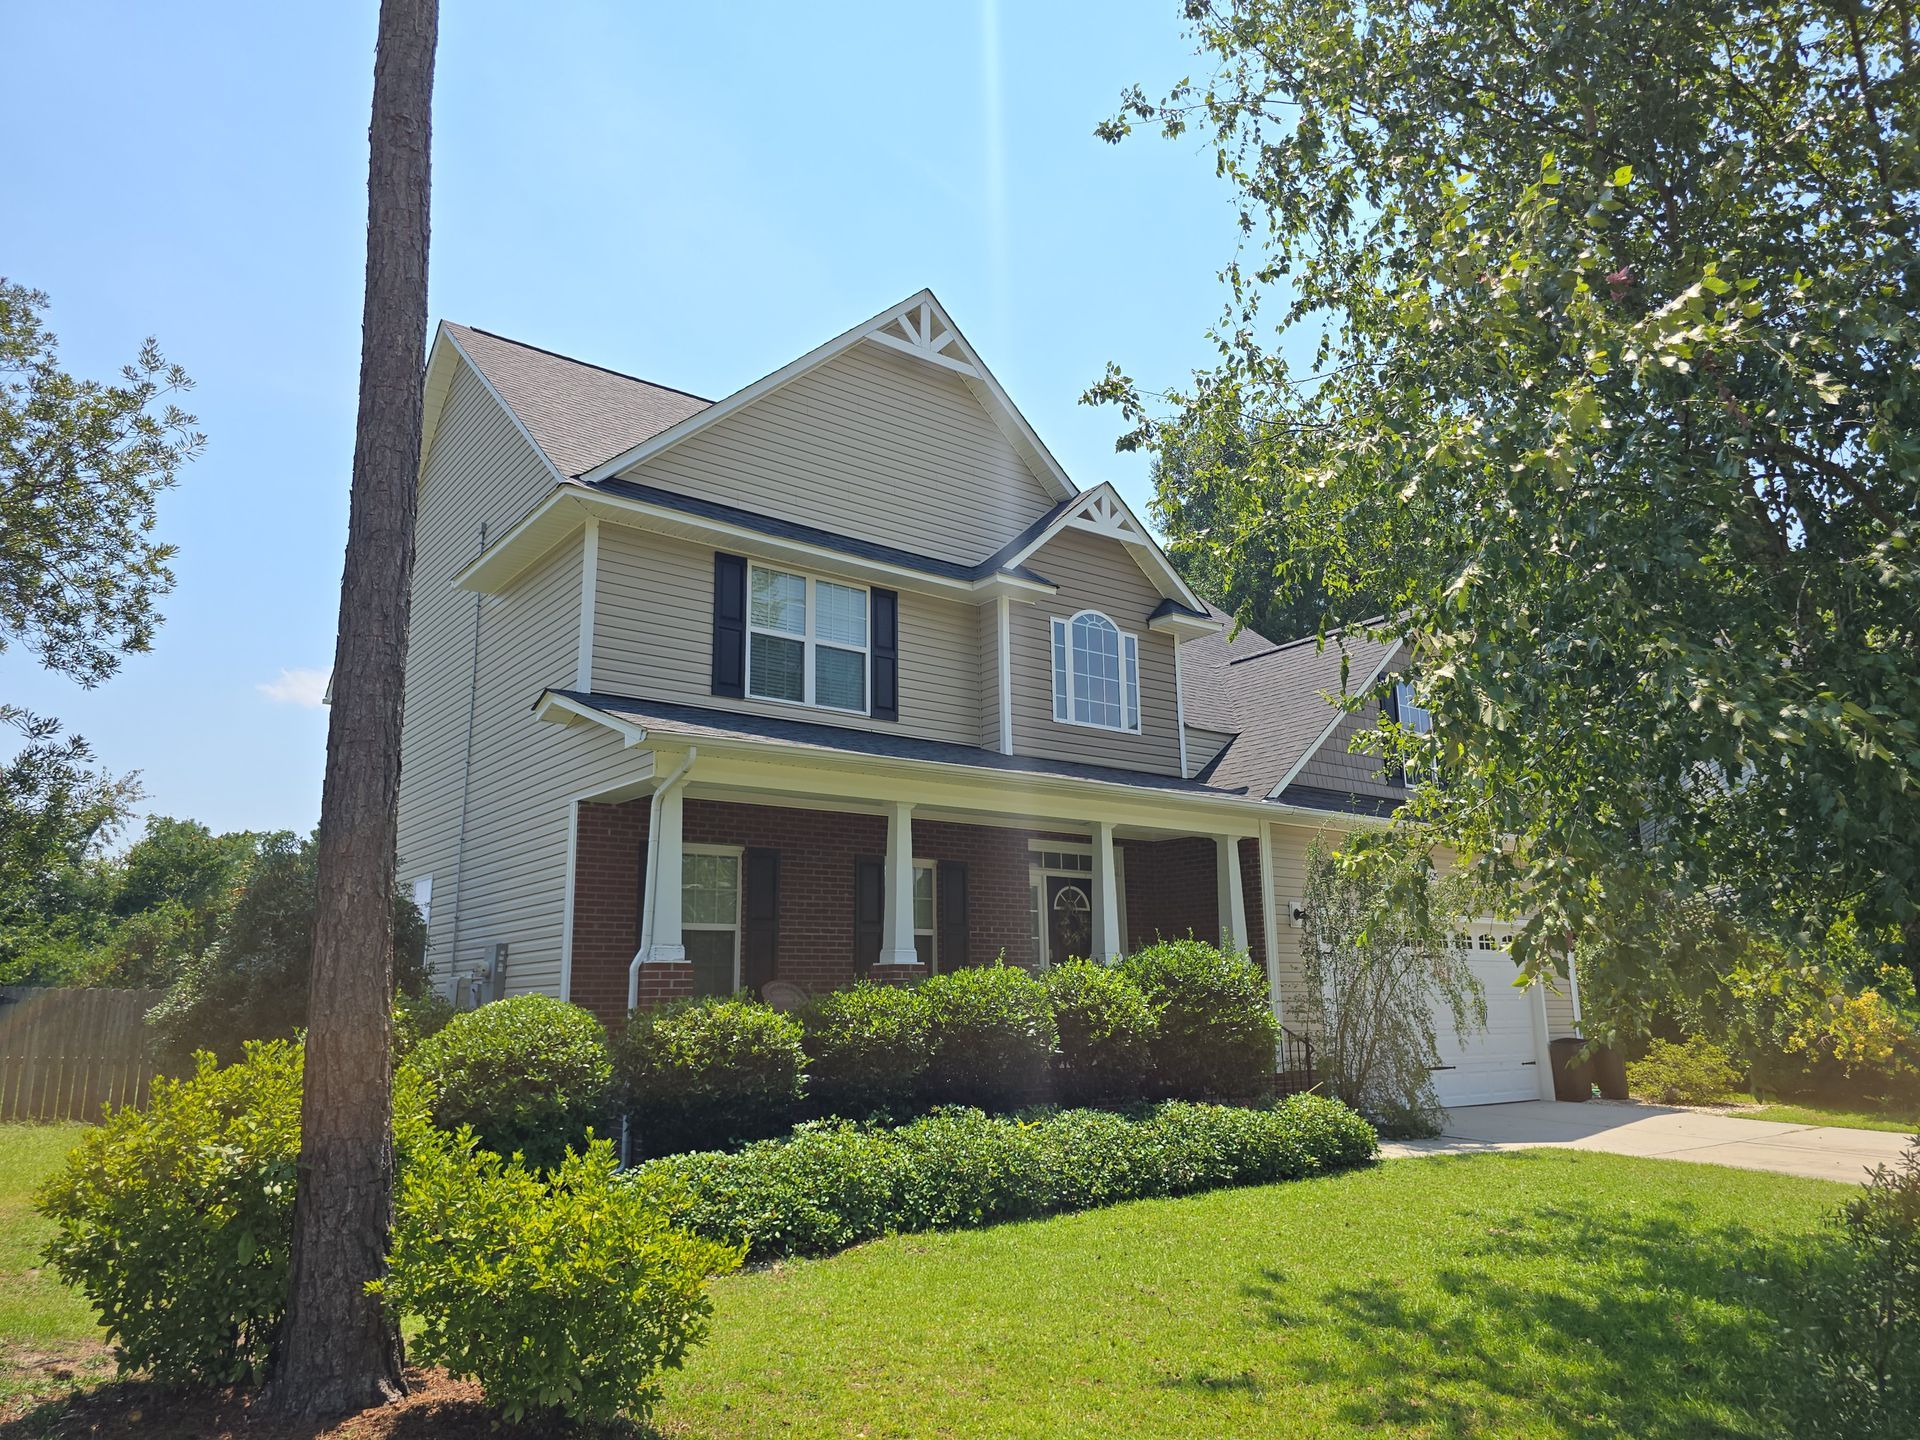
x: 898, y: 948
x: 664, y: 841
x: 1108, y: 942
x: 1233, y: 899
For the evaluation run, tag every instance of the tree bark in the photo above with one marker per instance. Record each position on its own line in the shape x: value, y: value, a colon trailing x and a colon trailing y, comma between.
x: 338, y: 1350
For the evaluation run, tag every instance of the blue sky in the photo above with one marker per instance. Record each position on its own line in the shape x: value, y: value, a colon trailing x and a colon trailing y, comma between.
x: 695, y: 194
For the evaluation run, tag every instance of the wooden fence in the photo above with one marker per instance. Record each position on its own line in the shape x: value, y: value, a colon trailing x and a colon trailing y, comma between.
x: 66, y: 1053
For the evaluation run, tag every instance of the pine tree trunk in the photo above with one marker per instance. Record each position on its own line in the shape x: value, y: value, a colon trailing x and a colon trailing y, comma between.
x: 338, y: 1350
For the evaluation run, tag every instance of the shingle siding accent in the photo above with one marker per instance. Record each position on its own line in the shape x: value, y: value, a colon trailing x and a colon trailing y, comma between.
x: 1093, y: 573
x: 1337, y: 768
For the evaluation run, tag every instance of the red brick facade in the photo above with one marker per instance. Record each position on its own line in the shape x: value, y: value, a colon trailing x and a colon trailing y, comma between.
x: 1170, y: 890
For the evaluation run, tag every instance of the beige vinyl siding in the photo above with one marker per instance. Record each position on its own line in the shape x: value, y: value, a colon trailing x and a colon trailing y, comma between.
x: 872, y: 444
x: 1093, y: 573
x: 653, y: 639
x: 511, y: 886
x: 1291, y: 844
x: 1334, y: 766
x: 989, y: 644
x: 1203, y: 745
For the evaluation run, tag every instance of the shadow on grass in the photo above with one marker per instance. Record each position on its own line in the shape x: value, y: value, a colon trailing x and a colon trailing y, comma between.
x: 1657, y: 1326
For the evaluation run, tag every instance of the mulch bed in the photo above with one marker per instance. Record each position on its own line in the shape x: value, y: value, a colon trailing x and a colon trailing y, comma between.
x: 437, y: 1407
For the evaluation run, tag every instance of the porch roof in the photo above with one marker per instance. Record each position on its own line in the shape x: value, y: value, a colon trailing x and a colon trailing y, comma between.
x: 699, y: 722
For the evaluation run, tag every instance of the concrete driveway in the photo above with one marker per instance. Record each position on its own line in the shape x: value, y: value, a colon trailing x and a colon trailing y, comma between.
x: 1821, y: 1152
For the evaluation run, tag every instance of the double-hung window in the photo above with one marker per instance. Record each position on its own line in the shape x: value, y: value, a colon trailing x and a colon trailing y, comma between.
x: 1414, y: 718
x: 1096, y: 673
x: 807, y: 640
x: 710, y: 916
x: 923, y: 932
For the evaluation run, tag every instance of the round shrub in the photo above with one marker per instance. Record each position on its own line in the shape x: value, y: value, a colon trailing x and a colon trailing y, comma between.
x: 866, y: 1049
x: 565, y: 1296
x: 1214, y: 1034
x: 1694, y: 1072
x: 992, y: 1037
x: 1106, y: 1029
x: 531, y: 1075
x: 709, y: 1074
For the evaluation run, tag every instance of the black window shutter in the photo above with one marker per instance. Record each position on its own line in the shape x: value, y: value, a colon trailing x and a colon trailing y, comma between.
x: 729, y: 624
x: 869, y: 912
x: 886, y: 654
x: 952, y: 911
x: 760, y: 920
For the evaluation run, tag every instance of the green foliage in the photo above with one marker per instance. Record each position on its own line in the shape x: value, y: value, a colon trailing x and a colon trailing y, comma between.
x: 565, y: 1296
x: 81, y: 464
x: 530, y: 1076
x: 176, y: 1220
x: 1106, y: 1033
x: 834, y: 1183
x: 1612, y: 407
x: 993, y: 1037
x: 252, y: 984
x: 1378, y: 962
x: 1859, y: 1316
x: 1691, y: 1072
x: 1214, y: 1031
x: 867, y: 1048
x: 704, y: 1073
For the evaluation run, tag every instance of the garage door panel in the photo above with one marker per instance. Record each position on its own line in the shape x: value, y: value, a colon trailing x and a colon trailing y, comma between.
x: 1497, y: 1064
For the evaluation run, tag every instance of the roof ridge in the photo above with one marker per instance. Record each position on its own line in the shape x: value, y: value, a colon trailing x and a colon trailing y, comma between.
x: 1340, y: 634
x: 584, y: 364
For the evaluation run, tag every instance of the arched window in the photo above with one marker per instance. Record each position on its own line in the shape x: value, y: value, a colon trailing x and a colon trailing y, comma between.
x: 1096, y: 673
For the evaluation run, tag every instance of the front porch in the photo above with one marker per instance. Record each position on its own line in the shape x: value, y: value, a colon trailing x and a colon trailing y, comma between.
x: 705, y: 887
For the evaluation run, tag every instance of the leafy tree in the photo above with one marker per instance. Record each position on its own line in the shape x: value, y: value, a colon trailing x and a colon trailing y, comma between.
x: 253, y: 983
x: 81, y: 463
x: 55, y: 809
x: 1614, y: 404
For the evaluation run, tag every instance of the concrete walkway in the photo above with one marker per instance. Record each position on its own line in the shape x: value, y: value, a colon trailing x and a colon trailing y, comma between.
x: 1821, y: 1152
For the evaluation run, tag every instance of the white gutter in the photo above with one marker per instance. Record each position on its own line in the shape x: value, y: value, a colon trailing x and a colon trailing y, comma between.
x: 653, y: 876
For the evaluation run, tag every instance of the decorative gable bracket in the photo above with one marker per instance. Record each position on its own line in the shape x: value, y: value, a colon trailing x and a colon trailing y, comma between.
x: 1102, y: 513
x: 920, y: 332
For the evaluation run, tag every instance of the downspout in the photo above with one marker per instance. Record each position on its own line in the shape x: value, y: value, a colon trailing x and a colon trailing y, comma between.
x: 646, y: 917
x: 653, y: 875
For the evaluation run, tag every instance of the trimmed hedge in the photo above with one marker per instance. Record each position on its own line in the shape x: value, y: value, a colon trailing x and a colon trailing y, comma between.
x: 698, y: 1074
x: 867, y: 1049
x: 1106, y: 1033
x: 834, y: 1183
x: 531, y: 1075
x: 992, y: 1035
x: 1214, y: 1033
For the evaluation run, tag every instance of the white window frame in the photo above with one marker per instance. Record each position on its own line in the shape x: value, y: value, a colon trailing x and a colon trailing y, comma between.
x: 739, y: 854
x: 810, y: 640
x: 1060, y: 643
x: 932, y: 932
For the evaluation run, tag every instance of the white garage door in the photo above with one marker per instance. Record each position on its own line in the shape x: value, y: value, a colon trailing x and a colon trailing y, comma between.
x: 1496, y: 1064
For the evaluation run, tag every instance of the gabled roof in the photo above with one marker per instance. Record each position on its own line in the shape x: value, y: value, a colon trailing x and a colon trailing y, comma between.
x: 576, y: 414
x: 917, y: 326
x: 1101, y: 511
x: 1275, y: 699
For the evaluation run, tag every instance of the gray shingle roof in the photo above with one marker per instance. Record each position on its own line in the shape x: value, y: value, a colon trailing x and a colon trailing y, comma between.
x: 695, y: 722
x: 1274, y: 699
x: 579, y: 414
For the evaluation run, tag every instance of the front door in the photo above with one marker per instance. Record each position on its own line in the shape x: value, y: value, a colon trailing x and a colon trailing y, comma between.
x: 1069, y: 918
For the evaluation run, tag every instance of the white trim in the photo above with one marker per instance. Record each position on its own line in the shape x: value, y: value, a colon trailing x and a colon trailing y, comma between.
x: 500, y: 564
x: 998, y: 405
x: 546, y: 464
x: 738, y: 927
x: 1103, y: 511
x: 1060, y: 642
x: 566, y: 904
x: 810, y: 642
x: 589, y: 586
x: 1108, y: 941
x: 1269, y: 924
x: 896, y: 917
x: 1230, y: 892
x: 1005, y: 658
x: 1339, y: 713
x: 1180, y: 713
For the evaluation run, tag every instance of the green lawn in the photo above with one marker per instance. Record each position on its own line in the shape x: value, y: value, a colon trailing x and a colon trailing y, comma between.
x: 1543, y: 1294
x: 34, y: 1306
x: 1818, y: 1113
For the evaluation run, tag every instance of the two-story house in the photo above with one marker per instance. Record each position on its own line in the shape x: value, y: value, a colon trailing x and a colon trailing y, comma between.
x: 842, y: 676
